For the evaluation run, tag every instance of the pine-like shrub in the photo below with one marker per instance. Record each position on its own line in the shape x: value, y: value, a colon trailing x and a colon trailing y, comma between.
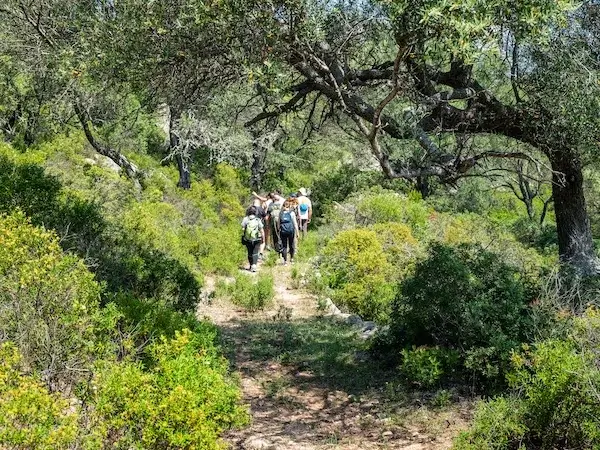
x: 185, y: 401
x: 49, y: 303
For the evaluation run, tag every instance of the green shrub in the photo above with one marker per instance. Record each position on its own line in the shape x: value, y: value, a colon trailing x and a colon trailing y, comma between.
x: 463, y: 298
x: 31, y: 417
x: 126, y: 247
x: 251, y: 294
x: 400, y: 247
x: 143, y: 321
x: 185, y: 401
x: 336, y: 185
x: 532, y: 234
x: 50, y: 303
x: 355, y: 267
x: 497, y: 425
x: 218, y: 249
x: 428, y: 366
x: 382, y: 206
x: 554, y: 402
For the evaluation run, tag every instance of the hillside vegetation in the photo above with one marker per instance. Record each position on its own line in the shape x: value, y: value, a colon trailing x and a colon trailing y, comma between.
x: 450, y: 271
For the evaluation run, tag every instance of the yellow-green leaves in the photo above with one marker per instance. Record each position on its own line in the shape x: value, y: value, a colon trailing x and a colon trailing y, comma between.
x: 31, y: 417
x: 466, y: 28
x: 49, y: 302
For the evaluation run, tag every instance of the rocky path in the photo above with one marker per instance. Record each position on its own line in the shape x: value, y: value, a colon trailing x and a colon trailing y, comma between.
x: 310, y: 384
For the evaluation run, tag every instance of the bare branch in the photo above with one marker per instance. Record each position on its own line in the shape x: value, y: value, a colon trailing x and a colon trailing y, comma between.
x: 281, y: 109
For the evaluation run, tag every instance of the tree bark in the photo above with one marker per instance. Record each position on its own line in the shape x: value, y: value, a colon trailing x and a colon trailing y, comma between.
x: 575, y: 244
x: 130, y: 168
x: 259, y: 157
x: 185, y: 179
x: 183, y: 162
x: 422, y: 185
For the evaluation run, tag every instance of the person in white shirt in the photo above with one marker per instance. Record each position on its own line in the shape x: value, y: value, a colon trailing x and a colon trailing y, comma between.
x: 304, y: 211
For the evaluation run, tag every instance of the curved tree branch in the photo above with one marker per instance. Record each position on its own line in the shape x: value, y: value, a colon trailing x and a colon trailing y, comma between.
x: 130, y: 168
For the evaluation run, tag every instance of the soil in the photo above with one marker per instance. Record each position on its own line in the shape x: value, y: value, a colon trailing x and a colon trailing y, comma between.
x: 293, y: 409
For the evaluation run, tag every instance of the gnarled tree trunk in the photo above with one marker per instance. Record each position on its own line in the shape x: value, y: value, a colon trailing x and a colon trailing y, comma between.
x: 129, y: 167
x: 575, y: 245
x: 183, y: 163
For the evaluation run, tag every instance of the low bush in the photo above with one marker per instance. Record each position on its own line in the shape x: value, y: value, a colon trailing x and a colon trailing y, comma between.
x: 383, y: 206
x: 143, y: 321
x: 554, y: 403
x: 31, y: 417
x: 426, y: 367
x: 218, y: 249
x: 50, y: 303
x: 355, y: 268
x: 467, y: 299
x: 185, y: 401
x: 532, y: 234
x: 497, y: 425
x: 400, y: 247
x: 247, y: 292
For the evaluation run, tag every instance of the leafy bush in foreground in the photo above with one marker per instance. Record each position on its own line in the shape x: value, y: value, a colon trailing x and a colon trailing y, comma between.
x: 554, y: 405
x: 466, y: 299
x: 185, y: 401
x: 30, y: 417
x: 50, y: 303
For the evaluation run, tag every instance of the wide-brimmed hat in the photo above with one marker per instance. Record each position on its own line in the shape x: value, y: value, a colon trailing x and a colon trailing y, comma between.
x: 302, y: 191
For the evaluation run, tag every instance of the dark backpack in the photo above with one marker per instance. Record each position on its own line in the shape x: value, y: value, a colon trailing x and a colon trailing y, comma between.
x: 286, y: 225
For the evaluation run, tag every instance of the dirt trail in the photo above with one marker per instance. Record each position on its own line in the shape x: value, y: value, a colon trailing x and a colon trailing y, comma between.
x: 309, y: 388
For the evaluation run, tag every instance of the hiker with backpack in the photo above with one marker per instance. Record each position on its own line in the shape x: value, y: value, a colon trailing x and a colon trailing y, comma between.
x: 304, y: 211
x: 273, y: 219
x: 261, y: 213
x: 288, y: 231
x: 253, y: 236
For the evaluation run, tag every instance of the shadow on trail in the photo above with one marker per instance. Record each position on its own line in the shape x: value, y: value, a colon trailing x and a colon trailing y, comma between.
x: 320, y: 352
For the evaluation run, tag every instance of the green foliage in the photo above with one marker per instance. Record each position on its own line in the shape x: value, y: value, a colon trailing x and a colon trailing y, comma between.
x: 251, y: 294
x: 143, y: 321
x: 337, y: 185
x: 531, y: 234
x: 428, y: 366
x: 355, y: 267
x: 31, y: 417
x: 400, y: 247
x: 383, y: 206
x: 553, y: 398
x: 50, y: 302
x: 497, y: 425
x: 554, y: 404
x: 458, y: 26
x: 464, y: 298
x: 185, y: 401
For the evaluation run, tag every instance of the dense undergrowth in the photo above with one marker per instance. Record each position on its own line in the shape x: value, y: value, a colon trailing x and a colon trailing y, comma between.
x: 99, y: 284
x: 471, y: 299
x: 101, y: 277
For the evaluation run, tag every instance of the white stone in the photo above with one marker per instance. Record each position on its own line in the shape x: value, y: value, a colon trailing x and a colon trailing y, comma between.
x: 257, y: 443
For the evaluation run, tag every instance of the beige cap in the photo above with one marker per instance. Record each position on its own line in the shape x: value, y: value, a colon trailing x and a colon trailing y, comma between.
x: 302, y: 191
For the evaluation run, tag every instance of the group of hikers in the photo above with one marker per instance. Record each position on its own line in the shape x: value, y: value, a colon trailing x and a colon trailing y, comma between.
x: 274, y: 222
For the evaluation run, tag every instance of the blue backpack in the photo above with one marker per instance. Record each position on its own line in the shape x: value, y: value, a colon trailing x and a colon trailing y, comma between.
x: 286, y: 225
x: 303, y: 208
